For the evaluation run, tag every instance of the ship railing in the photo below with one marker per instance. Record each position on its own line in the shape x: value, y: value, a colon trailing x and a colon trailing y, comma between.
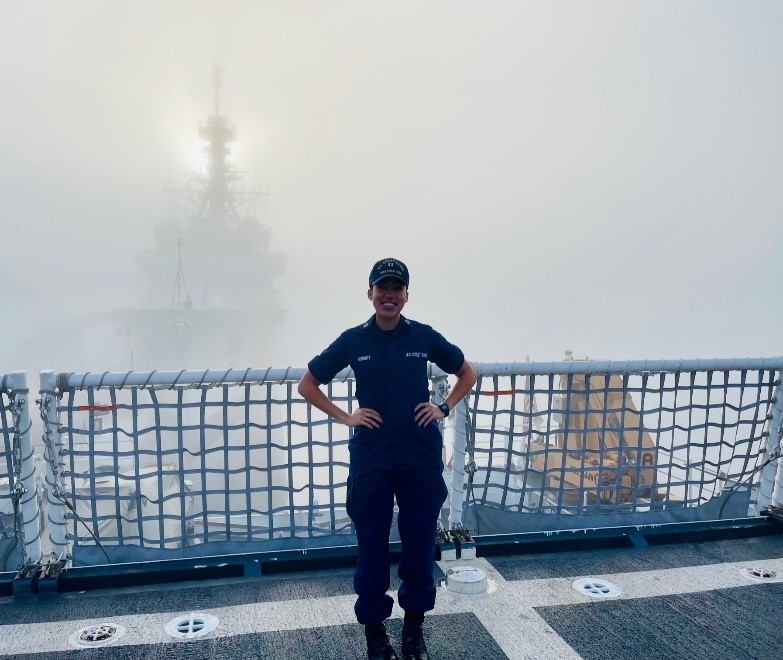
x: 20, y: 523
x: 183, y: 464
x: 585, y: 444
x: 145, y: 465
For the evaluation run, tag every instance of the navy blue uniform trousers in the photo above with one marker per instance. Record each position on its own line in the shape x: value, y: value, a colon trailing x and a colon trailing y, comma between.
x: 420, y: 495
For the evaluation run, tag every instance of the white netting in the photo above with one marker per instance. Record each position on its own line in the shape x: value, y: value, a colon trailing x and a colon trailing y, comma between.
x: 617, y: 443
x: 150, y: 463
x: 165, y: 468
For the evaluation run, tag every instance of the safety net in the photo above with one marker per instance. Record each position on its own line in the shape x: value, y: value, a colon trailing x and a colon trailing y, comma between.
x: 171, y: 465
x: 566, y: 450
x: 162, y: 464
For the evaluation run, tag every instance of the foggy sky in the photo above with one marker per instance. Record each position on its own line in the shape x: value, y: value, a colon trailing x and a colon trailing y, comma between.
x: 603, y: 177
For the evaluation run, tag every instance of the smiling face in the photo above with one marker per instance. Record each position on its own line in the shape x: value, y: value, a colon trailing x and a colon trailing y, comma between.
x: 388, y: 298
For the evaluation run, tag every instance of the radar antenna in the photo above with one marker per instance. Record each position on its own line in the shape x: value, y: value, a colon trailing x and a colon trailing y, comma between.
x: 180, y: 283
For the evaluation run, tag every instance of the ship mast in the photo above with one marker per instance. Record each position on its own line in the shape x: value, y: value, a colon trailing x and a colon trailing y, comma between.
x: 230, y: 269
x: 218, y: 203
x: 215, y: 199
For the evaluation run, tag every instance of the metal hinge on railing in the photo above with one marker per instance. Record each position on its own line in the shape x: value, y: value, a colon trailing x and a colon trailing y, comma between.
x: 466, y: 546
x: 455, y: 543
x: 38, y: 578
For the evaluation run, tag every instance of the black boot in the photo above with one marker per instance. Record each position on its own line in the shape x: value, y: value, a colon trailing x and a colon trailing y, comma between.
x: 378, y: 647
x: 413, y: 647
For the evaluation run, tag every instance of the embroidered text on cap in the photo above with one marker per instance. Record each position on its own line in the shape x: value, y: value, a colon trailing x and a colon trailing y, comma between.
x: 389, y: 268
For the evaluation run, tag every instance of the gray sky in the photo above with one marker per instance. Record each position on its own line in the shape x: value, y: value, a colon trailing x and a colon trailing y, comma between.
x: 597, y: 176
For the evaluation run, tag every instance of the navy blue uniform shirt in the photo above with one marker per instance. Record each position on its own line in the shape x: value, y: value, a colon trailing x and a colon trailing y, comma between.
x: 391, y: 378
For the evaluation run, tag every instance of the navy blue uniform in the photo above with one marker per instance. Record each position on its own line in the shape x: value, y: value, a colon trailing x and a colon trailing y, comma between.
x: 400, y: 459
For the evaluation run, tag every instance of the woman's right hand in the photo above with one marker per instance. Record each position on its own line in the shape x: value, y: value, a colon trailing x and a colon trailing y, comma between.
x: 364, y: 417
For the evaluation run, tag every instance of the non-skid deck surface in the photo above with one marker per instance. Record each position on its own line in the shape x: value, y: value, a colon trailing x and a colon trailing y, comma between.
x: 706, y: 625
x: 693, y: 600
x: 327, y: 643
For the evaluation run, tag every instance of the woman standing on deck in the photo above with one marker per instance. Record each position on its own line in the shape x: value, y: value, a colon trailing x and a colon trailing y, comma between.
x: 395, y: 452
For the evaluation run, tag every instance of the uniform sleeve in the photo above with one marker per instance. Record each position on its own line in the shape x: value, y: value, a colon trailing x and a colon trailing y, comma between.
x: 328, y: 363
x: 445, y: 354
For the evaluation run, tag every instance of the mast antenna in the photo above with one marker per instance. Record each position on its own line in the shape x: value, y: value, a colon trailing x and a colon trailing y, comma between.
x: 217, y: 81
x: 179, y: 283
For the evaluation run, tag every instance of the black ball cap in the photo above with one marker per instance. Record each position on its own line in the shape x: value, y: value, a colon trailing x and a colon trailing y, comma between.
x: 389, y: 268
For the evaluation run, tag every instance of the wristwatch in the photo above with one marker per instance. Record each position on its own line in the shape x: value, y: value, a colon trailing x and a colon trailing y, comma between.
x: 444, y: 408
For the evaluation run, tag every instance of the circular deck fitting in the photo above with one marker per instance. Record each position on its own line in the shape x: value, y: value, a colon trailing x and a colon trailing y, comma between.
x: 760, y: 574
x: 191, y: 625
x: 596, y: 588
x: 467, y: 580
x: 96, y: 635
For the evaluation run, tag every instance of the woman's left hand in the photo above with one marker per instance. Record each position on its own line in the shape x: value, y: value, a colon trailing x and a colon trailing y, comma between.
x: 426, y: 412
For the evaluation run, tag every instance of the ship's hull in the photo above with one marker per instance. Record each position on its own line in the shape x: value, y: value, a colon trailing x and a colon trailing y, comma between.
x: 164, y: 339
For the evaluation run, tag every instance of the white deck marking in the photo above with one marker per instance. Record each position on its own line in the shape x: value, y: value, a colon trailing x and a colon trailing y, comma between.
x: 507, y: 613
x: 522, y: 634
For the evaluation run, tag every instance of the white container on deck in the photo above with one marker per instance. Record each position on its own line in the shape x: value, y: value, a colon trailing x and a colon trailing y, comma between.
x: 467, y: 580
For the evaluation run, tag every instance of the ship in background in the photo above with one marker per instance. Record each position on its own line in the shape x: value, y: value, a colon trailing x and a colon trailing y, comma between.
x: 210, y: 299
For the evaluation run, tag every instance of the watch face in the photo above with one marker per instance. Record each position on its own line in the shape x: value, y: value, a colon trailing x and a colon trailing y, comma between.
x: 444, y: 407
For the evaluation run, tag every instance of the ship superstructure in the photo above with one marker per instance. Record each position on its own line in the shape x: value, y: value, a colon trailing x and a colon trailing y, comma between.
x: 209, y: 297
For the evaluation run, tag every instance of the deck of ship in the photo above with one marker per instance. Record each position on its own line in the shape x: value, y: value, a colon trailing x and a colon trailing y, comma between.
x: 693, y: 599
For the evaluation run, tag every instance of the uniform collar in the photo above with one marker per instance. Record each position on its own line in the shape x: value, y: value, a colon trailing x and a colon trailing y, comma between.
x: 371, y: 326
